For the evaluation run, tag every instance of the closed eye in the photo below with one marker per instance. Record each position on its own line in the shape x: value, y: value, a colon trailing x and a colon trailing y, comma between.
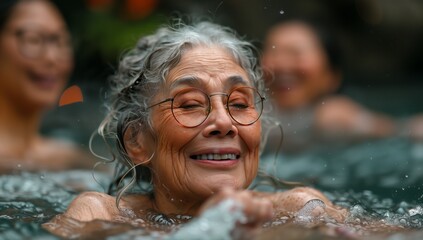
x: 238, y: 105
x: 191, y: 105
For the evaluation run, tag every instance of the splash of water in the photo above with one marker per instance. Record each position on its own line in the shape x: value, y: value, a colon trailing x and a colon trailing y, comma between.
x: 215, y: 223
x: 305, y: 214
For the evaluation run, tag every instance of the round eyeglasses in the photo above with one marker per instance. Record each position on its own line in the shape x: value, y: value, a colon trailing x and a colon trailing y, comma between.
x: 191, y: 107
x: 32, y: 44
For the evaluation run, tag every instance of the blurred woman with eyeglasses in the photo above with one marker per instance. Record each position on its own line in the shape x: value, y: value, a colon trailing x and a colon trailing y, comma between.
x: 36, y: 60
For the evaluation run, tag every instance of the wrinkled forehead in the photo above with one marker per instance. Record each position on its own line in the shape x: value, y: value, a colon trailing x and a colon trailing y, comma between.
x: 207, y: 67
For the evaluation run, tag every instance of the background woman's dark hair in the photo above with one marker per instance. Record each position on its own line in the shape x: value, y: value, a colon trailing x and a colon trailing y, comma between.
x: 6, y: 8
x: 330, y: 43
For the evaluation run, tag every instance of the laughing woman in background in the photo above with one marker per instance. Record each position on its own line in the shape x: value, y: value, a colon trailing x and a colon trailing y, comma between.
x: 36, y: 59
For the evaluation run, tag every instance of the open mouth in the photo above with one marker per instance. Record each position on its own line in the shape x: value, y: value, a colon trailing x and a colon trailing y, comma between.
x: 286, y: 81
x: 44, y: 81
x: 215, y: 156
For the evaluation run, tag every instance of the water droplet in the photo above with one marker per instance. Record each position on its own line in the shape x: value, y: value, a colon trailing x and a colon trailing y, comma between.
x: 273, y: 46
x: 323, y: 103
x: 281, y: 12
x: 19, y: 165
x: 406, y: 176
x: 42, y: 176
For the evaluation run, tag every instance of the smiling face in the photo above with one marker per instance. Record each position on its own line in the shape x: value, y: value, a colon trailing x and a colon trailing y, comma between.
x: 190, y: 164
x: 300, y: 69
x: 34, y: 81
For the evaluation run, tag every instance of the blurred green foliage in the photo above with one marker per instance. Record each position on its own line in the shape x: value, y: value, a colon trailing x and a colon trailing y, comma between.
x: 106, y: 33
x: 105, y: 28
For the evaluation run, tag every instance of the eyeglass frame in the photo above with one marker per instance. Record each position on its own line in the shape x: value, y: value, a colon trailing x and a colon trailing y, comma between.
x: 45, y: 39
x: 209, y: 110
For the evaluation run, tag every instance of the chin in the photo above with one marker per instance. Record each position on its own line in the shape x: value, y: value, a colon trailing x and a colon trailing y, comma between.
x: 225, y: 181
x: 42, y: 99
x: 45, y: 103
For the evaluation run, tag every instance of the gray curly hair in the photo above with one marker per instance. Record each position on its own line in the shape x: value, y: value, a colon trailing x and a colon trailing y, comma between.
x: 142, y: 72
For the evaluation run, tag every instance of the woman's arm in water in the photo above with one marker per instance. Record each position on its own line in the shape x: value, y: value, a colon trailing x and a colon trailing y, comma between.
x: 306, y: 201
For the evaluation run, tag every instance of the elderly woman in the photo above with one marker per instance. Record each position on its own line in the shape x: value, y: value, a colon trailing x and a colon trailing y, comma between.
x: 185, y: 109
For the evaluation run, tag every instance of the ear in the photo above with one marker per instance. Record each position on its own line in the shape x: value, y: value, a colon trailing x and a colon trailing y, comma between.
x: 136, y: 146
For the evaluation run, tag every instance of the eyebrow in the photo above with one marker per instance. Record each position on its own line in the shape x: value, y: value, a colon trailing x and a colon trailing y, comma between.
x: 236, y: 79
x: 197, y: 82
x: 189, y: 80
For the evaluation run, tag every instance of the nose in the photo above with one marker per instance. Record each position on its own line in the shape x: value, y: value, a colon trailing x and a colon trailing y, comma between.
x: 281, y: 60
x: 219, y: 122
x: 51, y: 53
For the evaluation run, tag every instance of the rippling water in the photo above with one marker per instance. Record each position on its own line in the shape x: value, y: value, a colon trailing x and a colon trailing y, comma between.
x: 28, y: 200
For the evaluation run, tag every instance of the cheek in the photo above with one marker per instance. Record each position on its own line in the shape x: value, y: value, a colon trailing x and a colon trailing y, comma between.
x: 11, y: 65
x: 66, y: 67
x: 267, y: 60
x: 313, y: 63
x: 170, y: 142
x: 252, y: 139
x: 252, y: 136
x: 251, y: 169
x: 169, y: 134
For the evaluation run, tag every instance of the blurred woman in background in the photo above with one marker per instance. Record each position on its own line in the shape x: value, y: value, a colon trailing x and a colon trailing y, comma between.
x: 36, y: 60
x: 304, y: 74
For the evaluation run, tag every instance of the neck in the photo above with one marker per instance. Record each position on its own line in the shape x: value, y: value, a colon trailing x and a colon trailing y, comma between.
x: 18, y: 129
x: 164, y: 202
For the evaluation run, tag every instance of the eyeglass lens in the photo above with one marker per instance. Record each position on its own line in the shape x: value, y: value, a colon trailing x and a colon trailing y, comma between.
x: 34, y: 43
x: 192, y: 107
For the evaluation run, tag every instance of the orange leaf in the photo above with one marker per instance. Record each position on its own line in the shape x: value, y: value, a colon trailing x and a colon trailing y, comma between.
x: 71, y: 95
x: 138, y: 9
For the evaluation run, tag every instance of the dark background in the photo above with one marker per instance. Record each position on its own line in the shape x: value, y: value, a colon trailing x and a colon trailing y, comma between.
x: 381, y: 42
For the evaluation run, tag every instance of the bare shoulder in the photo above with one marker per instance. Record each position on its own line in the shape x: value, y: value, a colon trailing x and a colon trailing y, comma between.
x: 66, y: 155
x: 92, y: 205
x: 343, y: 115
x: 336, y: 108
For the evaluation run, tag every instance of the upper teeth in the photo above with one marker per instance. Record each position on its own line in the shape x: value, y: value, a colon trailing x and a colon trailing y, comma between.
x: 215, y: 156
